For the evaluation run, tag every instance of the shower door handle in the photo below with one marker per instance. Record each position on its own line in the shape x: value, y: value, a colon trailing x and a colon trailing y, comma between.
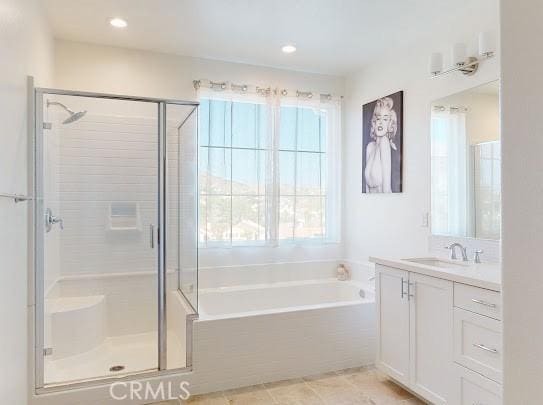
x: 152, y: 236
x: 51, y: 220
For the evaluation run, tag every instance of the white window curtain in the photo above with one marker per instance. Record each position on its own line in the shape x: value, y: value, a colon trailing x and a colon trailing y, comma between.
x: 309, y: 154
x: 269, y: 166
x: 449, y: 174
x: 487, y: 189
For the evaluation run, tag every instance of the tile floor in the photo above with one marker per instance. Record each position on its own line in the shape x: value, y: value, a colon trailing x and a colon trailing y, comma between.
x: 358, y: 386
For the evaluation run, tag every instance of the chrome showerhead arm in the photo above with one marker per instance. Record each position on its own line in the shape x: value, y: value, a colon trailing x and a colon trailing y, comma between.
x: 49, y: 103
x: 74, y: 116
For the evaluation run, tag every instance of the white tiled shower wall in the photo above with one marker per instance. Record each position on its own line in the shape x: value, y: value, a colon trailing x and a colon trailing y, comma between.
x: 105, y: 159
x: 89, y: 164
x: 110, y: 158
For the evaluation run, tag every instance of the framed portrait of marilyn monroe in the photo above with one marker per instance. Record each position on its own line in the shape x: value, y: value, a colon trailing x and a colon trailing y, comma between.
x: 382, y: 136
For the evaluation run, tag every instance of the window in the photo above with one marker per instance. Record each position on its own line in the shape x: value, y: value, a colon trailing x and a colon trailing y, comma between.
x: 302, y: 173
x: 232, y: 160
x: 263, y: 172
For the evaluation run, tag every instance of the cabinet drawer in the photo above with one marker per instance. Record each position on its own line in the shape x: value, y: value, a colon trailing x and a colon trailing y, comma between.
x: 478, y: 300
x: 478, y: 343
x: 473, y: 388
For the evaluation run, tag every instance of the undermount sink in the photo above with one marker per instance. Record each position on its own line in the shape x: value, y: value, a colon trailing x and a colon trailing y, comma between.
x: 435, y: 262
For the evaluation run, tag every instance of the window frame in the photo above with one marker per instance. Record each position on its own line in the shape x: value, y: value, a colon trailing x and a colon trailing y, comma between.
x: 329, y: 218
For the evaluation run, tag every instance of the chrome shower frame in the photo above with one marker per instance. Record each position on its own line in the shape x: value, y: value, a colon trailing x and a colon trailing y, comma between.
x: 37, y: 226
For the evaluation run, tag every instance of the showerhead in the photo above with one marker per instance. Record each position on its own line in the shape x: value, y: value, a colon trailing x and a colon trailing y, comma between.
x: 74, y: 116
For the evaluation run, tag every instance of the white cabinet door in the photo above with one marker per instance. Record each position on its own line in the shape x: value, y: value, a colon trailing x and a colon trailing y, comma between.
x: 431, y: 337
x: 392, y: 322
x: 478, y: 343
x: 472, y: 388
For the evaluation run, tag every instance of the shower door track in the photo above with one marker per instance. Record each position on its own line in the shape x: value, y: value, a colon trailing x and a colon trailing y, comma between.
x: 36, y: 242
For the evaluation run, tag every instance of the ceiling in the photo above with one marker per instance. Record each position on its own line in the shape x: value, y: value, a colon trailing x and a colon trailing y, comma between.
x: 332, y: 36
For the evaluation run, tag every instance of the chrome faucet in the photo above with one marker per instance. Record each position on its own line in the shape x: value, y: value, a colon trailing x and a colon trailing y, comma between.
x: 477, y: 257
x: 453, y: 247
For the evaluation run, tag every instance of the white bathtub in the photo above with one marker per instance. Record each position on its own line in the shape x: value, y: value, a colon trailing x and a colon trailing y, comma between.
x: 253, y: 334
x: 247, y: 300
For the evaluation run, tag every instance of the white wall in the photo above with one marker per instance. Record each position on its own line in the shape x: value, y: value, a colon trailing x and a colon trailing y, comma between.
x: 522, y: 199
x: 391, y: 224
x: 25, y: 48
x: 124, y: 71
x: 483, y: 116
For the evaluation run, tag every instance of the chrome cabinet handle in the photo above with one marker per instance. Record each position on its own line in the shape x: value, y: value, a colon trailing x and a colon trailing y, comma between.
x: 409, y: 295
x: 152, y: 236
x: 402, y: 289
x: 483, y: 347
x: 486, y: 304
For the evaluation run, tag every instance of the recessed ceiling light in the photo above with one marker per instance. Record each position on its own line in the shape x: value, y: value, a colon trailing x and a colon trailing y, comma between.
x: 118, y: 22
x: 288, y: 49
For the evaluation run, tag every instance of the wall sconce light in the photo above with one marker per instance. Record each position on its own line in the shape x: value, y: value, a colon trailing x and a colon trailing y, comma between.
x: 467, y: 65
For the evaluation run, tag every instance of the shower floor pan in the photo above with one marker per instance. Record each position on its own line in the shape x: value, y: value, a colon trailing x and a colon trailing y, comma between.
x: 134, y: 353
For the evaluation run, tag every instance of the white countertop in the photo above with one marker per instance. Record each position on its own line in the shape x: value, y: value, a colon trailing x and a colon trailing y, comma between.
x: 484, y: 275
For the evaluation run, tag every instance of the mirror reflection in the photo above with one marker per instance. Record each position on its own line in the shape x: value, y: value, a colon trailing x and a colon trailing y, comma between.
x: 465, y: 164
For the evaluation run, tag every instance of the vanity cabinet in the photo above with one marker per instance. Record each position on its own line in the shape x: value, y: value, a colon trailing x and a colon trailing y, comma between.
x: 478, y: 343
x: 473, y: 389
x: 477, y: 346
x: 440, y: 338
x: 415, y: 331
x: 393, y: 323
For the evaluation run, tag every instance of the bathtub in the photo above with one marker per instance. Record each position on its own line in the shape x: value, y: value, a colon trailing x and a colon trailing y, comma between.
x: 259, y: 299
x: 259, y: 333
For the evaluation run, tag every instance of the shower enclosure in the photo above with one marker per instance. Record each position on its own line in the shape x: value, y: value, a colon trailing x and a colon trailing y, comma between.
x: 115, y: 235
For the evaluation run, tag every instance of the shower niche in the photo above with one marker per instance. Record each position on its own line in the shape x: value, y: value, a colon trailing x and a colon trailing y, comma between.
x: 115, y: 228
x: 124, y: 216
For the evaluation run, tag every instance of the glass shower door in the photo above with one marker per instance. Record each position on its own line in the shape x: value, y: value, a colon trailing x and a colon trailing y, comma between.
x: 181, y: 230
x: 97, y: 213
x: 182, y: 200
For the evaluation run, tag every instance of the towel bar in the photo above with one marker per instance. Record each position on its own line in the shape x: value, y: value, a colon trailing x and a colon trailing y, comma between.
x: 16, y: 197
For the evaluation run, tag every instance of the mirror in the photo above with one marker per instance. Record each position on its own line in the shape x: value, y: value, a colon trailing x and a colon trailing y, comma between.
x: 466, y: 164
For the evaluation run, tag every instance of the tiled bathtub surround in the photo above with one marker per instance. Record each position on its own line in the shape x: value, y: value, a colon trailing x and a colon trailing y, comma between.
x: 270, y: 332
x: 225, y: 276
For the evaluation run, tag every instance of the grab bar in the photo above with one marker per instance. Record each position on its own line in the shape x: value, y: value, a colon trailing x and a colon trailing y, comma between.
x: 16, y: 197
